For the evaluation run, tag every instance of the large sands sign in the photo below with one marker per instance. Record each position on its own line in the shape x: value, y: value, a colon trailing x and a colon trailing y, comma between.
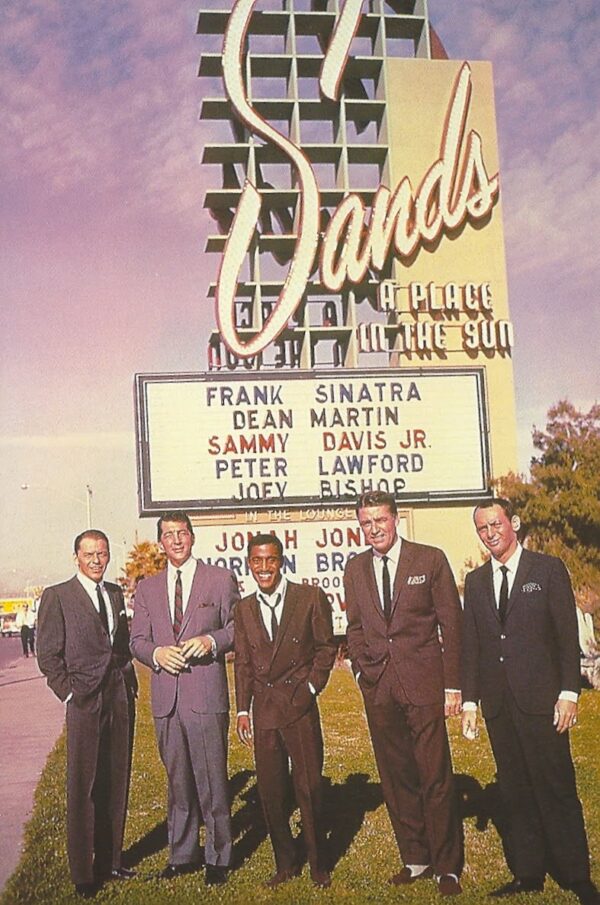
x: 228, y: 443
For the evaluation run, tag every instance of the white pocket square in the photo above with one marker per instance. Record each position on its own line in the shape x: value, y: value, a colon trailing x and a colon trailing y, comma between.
x: 416, y: 579
x: 530, y: 587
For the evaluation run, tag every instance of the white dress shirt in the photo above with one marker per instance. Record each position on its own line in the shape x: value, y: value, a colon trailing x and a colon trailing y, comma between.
x: 188, y: 570
x: 90, y: 587
x: 266, y: 609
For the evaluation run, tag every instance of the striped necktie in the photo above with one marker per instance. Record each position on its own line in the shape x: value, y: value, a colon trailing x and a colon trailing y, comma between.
x: 178, y: 610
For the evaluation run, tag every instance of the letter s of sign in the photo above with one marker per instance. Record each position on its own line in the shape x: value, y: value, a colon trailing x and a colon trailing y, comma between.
x: 248, y: 210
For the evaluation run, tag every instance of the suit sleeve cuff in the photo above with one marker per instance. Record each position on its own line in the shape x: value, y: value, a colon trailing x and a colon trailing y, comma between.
x: 312, y: 688
x: 568, y: 696
x: 154, y: 660
x: 243, y: 713
x: 68, y: 698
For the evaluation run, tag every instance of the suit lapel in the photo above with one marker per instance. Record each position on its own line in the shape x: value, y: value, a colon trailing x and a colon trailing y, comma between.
x: 257, y: 620
x: 85, y: 600
x: 371, y: 583
x: 289, y: 605
x: 487, y: 577
x: 521, y: 574
x: 114, y: 604
x: 194, y: 598
x: 401, y: 572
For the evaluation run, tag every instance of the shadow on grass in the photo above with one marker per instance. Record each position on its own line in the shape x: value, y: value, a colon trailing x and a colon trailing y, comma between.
x: 344, y: 809
x: 156, y: 839
x: 484, y: 803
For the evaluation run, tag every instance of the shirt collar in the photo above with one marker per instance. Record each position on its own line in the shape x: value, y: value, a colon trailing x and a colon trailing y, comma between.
x: 511, y: 564
x: 393, y: 554
x: 187, y: 568
x: 280, y: 589
x: 89, y: 584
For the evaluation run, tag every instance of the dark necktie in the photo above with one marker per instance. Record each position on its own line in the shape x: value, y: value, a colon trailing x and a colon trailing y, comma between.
x: 178, y: 610
x: 387, y: 590
x: 272, y: 607
x: 503, y: 598
x: 102, y: 609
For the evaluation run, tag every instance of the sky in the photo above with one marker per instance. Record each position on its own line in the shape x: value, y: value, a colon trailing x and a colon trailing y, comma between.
x: 102, y: 265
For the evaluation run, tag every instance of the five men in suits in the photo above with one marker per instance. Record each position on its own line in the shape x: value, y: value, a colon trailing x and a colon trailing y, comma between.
x: 404, y: 631
x: 521, y: 660
x: 83, y: 650
x: 284, y: 652
x: 182, y: 628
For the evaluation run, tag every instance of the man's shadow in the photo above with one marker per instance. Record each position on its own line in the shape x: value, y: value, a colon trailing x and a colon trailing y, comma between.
x: 156, y: 839
x: 344, y: 809
x: 484, y: 803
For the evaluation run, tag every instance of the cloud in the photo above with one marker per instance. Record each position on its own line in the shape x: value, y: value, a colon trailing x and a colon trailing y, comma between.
x: 102, y: 98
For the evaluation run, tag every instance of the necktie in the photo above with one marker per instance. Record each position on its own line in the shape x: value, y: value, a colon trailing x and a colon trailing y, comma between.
x: 178, y: 610
x: 503, y: 598
x: 102, y: 609
x: 387, y: 590
x: 272, y: 607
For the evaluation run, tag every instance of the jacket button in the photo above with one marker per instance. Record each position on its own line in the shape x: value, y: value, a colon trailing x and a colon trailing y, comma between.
x: 269, y: 685
x: 502, y: 659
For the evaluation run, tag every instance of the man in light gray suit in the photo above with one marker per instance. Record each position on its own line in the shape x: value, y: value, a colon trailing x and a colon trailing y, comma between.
x: 182, y: 628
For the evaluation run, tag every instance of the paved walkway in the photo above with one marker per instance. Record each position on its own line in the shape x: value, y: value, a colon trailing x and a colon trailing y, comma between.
x: 31, y: 719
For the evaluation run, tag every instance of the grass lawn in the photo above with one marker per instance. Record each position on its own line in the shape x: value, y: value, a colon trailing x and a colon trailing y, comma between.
x: 361, y: 840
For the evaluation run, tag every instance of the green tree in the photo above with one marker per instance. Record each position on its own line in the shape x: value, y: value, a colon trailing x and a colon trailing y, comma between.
x: 560, y: 503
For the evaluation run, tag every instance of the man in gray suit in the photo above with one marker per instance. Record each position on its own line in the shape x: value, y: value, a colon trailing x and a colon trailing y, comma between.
x: 182, y: 628
x: 83, y: 650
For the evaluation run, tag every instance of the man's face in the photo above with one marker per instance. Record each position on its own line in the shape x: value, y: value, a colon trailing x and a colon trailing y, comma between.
x: 265, y: 564
x: 497, y: 532
x: 380, y: 527
x: 92, y: 557
x: 176, y: 540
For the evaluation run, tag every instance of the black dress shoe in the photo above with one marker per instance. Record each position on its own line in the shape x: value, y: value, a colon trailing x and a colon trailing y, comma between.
x: 406, y: 876
x: 527, y: 884
x: 86, y: 890
x: 122, y: 873
x: 215, y: 875
x: 586, y: 892
x: 176, y: 870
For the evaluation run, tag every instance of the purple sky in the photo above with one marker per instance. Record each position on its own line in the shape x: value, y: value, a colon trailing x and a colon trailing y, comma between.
x: 102, y: 266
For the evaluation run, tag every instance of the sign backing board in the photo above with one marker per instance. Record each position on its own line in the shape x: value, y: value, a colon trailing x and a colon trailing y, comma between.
x: 232, y: 443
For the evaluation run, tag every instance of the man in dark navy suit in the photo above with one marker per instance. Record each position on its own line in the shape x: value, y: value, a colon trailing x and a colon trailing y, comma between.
x: 521, y: 660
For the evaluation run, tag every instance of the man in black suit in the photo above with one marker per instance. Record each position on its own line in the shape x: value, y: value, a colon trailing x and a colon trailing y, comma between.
x: 521, y: 660
x: 83, y: 650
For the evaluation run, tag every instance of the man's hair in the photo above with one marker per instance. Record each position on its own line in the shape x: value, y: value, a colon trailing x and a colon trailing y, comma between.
x: 376, y: 498
x: 94, y: 534
x: 259, y: 540
x: 504, y: 504
x: 178, y: 515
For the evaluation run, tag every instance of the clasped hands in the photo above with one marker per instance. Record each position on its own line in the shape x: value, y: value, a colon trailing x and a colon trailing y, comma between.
x: 174, y: 658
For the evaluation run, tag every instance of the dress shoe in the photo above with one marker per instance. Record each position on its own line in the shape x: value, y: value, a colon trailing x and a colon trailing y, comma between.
x: 176, y: 870
x: 586, y: 892
x: 406, y: 876
x: 215, y: 875
x: 527, y: 884
x: 282, y: 876
x: 87, y: 890
x: 122, y: 873
x: 448, y: 885
x: 320, y: 878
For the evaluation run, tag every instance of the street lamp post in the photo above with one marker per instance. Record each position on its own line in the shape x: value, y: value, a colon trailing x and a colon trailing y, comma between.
x: 87, y: 502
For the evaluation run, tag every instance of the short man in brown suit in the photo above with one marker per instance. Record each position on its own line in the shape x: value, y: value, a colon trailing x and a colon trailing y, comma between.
x: 404, y: 621
x: 83, y: 650
x: 284, y: 652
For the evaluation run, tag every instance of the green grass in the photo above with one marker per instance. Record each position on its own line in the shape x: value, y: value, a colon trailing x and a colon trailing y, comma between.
x: 361, y: 837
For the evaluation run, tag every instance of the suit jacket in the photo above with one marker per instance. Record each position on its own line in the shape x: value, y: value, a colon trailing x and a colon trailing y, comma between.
x: 74, y: 650
x: 422, y: 641
x: 536, y: 651
x: 275, y: 677
x: 209, y: 611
